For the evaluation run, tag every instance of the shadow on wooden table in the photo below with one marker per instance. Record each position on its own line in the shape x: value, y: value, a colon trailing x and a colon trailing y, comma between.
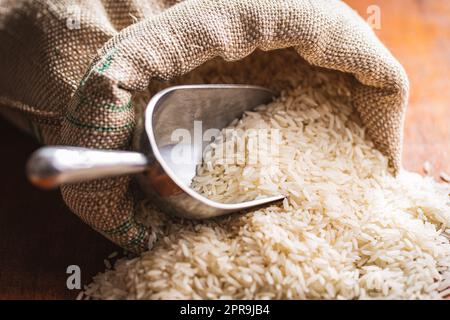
x: 39, y: 236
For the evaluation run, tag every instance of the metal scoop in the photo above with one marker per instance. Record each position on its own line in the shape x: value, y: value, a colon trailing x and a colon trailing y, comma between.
x: 176, y: 110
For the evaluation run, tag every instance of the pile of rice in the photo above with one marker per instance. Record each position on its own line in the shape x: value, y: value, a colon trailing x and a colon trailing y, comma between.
x: 348, y: 228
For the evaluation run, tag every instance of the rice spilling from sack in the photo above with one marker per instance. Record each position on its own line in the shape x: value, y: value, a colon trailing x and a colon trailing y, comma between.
x: 348, y: 228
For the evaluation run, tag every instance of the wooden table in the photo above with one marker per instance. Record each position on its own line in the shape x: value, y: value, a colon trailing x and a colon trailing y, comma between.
x: 418, y: 33
x: 40, y: 237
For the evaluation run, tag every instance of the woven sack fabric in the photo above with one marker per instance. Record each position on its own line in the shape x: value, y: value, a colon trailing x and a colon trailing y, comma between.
x: 70, y: 68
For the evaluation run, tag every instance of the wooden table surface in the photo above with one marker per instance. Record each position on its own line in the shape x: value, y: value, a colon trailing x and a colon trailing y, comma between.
x: 40, y: 237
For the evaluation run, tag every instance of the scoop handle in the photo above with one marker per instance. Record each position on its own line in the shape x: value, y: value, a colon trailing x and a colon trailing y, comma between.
x: 50, y: 167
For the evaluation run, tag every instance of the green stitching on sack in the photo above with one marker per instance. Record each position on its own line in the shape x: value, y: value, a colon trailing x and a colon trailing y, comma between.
x: 117, y: 108
x: 100, y: 128
x: 139, y: 239
x: 106, y: 63
x: 121, y: 229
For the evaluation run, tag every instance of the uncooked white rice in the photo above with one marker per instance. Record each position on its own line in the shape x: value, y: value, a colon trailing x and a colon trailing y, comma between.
x: 348, y: 229
x: 444, y: 176
x: 427, y: 167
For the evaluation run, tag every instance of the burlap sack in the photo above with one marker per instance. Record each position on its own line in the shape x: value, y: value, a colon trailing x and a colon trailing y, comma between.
x: 70, y: 67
